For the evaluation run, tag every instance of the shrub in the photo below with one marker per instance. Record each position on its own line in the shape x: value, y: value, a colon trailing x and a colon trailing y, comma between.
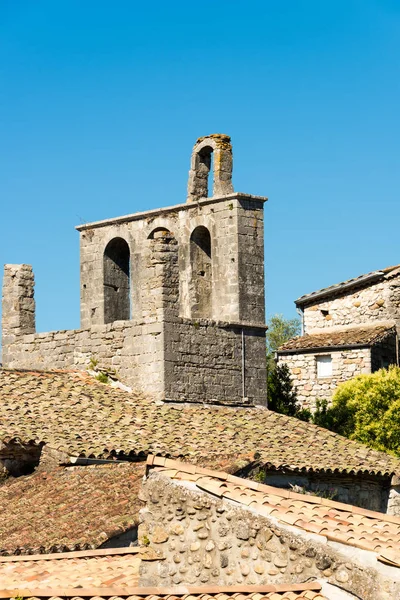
x: 366, y: 409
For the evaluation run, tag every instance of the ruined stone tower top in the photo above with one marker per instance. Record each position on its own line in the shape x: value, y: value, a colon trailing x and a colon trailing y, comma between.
x: 219, y: 145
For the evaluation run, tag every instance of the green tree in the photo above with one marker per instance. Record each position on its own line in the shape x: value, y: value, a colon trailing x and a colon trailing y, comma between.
x: 279, y: 331
x: 281, y: 395
x: 366, y: 409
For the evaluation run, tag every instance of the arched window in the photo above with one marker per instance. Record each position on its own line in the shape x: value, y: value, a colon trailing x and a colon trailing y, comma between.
x: 205, y: 172
x: 117, y: 301
x: 201, y: 263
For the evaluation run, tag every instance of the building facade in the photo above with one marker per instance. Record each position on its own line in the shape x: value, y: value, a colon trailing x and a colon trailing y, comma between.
x: 348, y: 329
x: 172, y: 299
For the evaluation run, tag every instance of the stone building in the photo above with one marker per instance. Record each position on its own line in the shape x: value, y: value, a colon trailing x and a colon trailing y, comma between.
x: 171, y: 298
x: 348, y: 329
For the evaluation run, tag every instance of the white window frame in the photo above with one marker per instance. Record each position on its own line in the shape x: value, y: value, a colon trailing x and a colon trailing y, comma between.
x: 324, y: 366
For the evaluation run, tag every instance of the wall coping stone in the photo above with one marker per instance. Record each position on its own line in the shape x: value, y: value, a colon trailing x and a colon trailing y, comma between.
x: 169, y: 209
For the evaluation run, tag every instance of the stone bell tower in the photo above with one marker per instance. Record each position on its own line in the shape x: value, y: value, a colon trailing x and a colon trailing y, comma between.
x: 171, y: 298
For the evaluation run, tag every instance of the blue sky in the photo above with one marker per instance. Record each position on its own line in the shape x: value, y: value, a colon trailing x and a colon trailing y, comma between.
x: 101, y: 103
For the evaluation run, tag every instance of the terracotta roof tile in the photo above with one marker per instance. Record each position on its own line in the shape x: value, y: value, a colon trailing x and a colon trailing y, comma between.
x: 79, y: 571
x: 68, y: 508
x: 336, y: 521
x: 362, y: 335
x: 65, y: 581
x: 72, y: 412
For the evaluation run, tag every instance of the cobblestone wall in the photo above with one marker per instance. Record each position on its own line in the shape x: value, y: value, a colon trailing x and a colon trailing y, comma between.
x: 211, y: 541
x: 303, y: 368
x: 378, y: 302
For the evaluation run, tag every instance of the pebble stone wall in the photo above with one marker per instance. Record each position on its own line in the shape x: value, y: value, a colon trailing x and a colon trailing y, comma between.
x: 211, y: 541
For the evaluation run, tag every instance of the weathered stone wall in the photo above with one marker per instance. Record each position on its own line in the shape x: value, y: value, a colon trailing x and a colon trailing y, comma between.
x: 251, y: 261
x: 18, y: 303
x: 214, y: 362
x: 235, y: 224
x: 211, y: 541
x: 371, y: 493
x: 378, y: 302
x: 303, y: 368
x: 135, y: 351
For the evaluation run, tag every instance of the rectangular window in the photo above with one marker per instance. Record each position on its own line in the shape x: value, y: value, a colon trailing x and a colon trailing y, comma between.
x: 324, y: 366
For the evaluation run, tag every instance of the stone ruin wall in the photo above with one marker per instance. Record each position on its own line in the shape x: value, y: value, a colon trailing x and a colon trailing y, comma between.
x: 209, y: 541
x: 377, y: 302
x: 346, y: 364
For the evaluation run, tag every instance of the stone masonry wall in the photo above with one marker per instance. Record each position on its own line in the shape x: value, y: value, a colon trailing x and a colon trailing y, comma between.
x: 204, y: 361
x: 378, y: 302
x: 134, y: 351
x: 18, y: 303
x: 205, y: 540
x: 251, y: 261
x: 235, y: 225
x: 303, y: 368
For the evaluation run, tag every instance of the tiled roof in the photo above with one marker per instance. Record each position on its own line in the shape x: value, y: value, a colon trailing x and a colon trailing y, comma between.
x: 68, y: 508
x: 344, y: 286
x: 343, y: 523
x: 75, y: 413
x: 106, y: 568
x: 114, y: 574
x: 292, y: 593
x: 362, y: 335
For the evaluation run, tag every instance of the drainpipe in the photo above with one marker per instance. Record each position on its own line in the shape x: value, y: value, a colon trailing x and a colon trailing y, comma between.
x: 397, y: 348
x: 300, y: 312
x: 243, y: 367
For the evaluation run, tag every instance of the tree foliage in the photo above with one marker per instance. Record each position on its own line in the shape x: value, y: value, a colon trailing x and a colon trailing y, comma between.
x: 281, y: 395
x: 366, y: 409
x: 279, y: 331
